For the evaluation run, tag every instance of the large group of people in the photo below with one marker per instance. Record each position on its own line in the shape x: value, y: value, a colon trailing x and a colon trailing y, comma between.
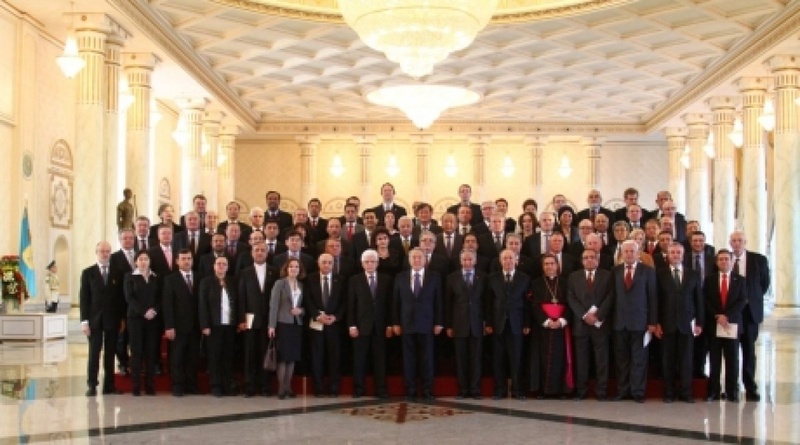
x: 542, y: 301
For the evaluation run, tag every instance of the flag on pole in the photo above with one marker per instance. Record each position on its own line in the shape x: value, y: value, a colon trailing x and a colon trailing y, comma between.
x: 26, y: 254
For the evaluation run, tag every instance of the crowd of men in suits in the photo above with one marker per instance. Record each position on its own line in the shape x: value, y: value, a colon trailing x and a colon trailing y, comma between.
x: 579, y: 287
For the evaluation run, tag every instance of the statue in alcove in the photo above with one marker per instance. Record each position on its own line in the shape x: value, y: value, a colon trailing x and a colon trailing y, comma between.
x: 126, y: 210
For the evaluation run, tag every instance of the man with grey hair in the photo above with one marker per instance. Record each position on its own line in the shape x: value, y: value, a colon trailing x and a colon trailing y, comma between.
x: 325, y: 305
x: 257, y: 219
x: 539, y: 243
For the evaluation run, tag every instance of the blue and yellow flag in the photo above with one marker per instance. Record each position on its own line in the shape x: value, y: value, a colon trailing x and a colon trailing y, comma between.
x: 26, y: 254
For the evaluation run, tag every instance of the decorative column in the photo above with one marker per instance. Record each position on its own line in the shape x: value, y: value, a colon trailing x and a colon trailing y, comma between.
x: 91, y: 174
x: 722, y: 111
x: 209, y: 184
x: 139, y: 163
x: 308, y: 166
x: 536, y: 146
x: 592, y: 146
x: 192, y: 121
x: 365, y: 144
x: 698, y: 199
x: 422, y: 142
x: 753, y: 190
x: 786, y: 75
x: 226, y: 162
x: 676, y: 141
x: 111, y: 131
x: 479, y: 143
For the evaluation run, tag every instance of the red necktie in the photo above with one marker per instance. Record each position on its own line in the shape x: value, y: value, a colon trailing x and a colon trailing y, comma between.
x: 349, y: 232
x: 723, y: 290
x: 628, y: 277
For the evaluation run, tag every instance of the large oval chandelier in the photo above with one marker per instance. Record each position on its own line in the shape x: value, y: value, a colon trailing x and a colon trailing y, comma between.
x: 417, y: 34
x: 423, y: 103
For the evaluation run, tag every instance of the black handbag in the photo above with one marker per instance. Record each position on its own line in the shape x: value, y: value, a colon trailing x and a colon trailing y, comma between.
x: 271, y: 358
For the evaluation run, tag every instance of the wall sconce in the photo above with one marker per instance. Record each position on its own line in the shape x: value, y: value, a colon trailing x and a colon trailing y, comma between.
x: 565, y: 169
x: 709, y: 147
x: 392, y: 169
x: 337, y: 168
x: 450, y: 167
x: 737, y: 135
x: 508, y: 167
x: 767, y: 118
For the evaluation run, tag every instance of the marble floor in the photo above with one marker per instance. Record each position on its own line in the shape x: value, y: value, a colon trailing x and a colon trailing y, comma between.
x: 42, y: 401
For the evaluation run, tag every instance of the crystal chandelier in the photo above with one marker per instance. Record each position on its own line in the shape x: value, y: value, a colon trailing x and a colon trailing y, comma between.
x: 737, y: 134
x: 70, y: 61
x: 417, y: 34
x: 423, y: 104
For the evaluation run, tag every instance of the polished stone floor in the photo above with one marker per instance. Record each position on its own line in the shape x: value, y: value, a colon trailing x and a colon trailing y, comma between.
x: 42, y: 401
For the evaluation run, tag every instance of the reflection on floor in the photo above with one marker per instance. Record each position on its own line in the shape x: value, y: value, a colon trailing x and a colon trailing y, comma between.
x: 42, y: 401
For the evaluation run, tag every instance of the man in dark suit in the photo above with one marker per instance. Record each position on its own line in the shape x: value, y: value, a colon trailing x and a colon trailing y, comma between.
x: 417, y: 316
x: 463, y: 309
x: 492, y: 243
x: 343, y: 265
x: 754, y: 268
x: 122, y: 262
x: 206, y: 266
x: 424, y: 221
x: 199, y: 204
x: 368, y: 318
x: 350, y: 225
x: 317, y: 223
x: 635, y: 314
x: 681, y: 314
x: 660, y: 259
x: 604, y: 261
x: 255, y: 286
x: 387, y: 195
x: 274, y: 211
x: 405, y: 239
x: 537, y: 243
x: 193, y: 238
x: 591, y: 298
x: 725, y: 297
x: 274, y: 245
x: 232, y: 210
x: 566, y: 262
x: 256, y: 219
x: 179, y: 303
x: 631, y: 197
x: 163, y: 255
x: 335, y: 232
x: 522, y: 263
x: 464, y: 195
x: 508, y: 318
x: 595, y: 202
x: 325, y: 306
x: 701, y: 258
x: 167, y: 215
x: 433, y: 261
x: 635, y: 216
x: 670, y: 210
x: 449, y: 241
x: 294, y: 243
x: 101, y: 318
x: 142, y: 234
x: 361, y: 240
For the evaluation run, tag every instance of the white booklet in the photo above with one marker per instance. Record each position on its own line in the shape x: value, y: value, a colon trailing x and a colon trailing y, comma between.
x: 731, y: 331
x: 248, y: 319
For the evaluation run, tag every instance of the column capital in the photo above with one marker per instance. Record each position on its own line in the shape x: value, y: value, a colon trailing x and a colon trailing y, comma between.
x: 675, y: 132
x: 304, y: 139
x: 592, y: 140
x: 479, y: 138
x: 213, y: 117
x: 533, y: 139
x: 95, y: 21
x: 421, y: 138
x: 696, y: 118
x: 140, y: 60
x: 230, y: 131
x: 365, y: 139
x: 192, y: 103
x: 750, y: 85
x: 780, y: 62
x: 722, y: 102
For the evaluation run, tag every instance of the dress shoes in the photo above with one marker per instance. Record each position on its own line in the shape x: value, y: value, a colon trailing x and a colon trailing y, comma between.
x: 282, y: 396
x: 622, y: 397
x: 687, y: 399
x: 177, y: 393
x: 216, y: 392
x: 383, y: 395
x: 733, y: 398
x: 476, y: 397
x: 638, y: 399
x: 249, y: 394
x: 112, y: 391
x: 428, y: 396
x: 150, y: 391
x: 497, y: 397
x: 291, y: 394
x: 521, y: 397
x: 752, y: 396
x: 410, y: 398
x: 712, y: 398
x: 136, y: 392
x: 461, y: 396
x: 319, y: 395
x: 91, y: 392
x: 358, y: 394
x: 669, y: 399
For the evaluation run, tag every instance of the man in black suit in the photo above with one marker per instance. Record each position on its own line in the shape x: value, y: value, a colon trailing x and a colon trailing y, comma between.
x: 631, y: 197
x: 142, y: 234
x: 274, y: 245
x: 701, y: 258
x: 294, y: 243
x: 566, y: 262
x: 199, y: 204
x: 232, y: 210
x: 101, y: 318
x: 206, y: 266
x: 244, y: 261
x: 538, y: 243
x: 508, y: 318
x: 754, y: 268
x: 387, y: 195
x: 604, y: 261
x: 660, y: 259
x: 317, y: 223
x: 255, y: 287
x: 210, y: 222
x: 635, y: 216
x: 122, y: 262
x: 725, y: 297
x: 362, y: 240
x: 256, y: 219
x: 193, y: 238
x: 681, y: 314
x: 368, y: 309
x: 449, y: 241
x: 179, y: 303
x: 433, y: 261
x: 585, y: 228
x: 635, y: 314
x: 274, y: 211
x: 417, y: 316
x: 235, y: 246
x: 464, y: 195
x: 343, y: 265
x: 670, y: 210
x: 324, y: 295
x: 595, y: 202
x: 163, y: 255
x: 463, y: 309
x: 350, y: 225
x: 470, y: 242
x: 492, y: 243
x: 522, y: 263
x: 424, y: 221
x: 405, y: 240
x: 167, y: 215
x: 591, y: 298
x: 335, y: 232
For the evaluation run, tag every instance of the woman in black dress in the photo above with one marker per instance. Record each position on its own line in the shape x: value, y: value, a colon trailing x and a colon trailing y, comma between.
x: 143, y: 294
x: 390, y: 261
x: 286, y: 322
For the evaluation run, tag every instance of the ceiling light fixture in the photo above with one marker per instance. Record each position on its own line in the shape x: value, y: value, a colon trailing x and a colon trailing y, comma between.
x: 508, y: 167
x: 423, y: 104
x: 737, y: 134
x: 417, y: 34
x: 337, y: 168
x: 392, y: 169
x: 685, y: 159
x: 70, y: 61
x: 565, y: 169
x: 450, y: 167
x: 767, y: 118
x: 709, y: 146
x: 126, y: 98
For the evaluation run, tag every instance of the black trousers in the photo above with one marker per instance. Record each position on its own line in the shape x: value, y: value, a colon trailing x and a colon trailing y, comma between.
x: 749, y: 335
x: 468, y: 364
x: 507, y: 350
x: 184, y: 353
x: 717, y: 349
x: 101, y: 340
x: 255, y: 348
x: 363, y: 345
x: 599, y: 343
x: 677, y: 351
x: 418, y: 348
x: 631, y: 360
x: 326, y: 350
x: 123, y: 356
x: 220, y: 356
x: 145, y: 335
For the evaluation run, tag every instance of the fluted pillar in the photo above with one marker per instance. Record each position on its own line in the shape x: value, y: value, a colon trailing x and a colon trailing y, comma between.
x: 226, y: 161
x: 698, y: 199
x: 209, y: 184
x: 365, y: 144
x: 138, y: 165
x: 753, y: 190
x: 591, y: 146
x: 111, y: 131
x: 308, y: 165
x: 192, y: 110
x: 536, y: 146
x: 479, y: 143
x: 722, y: 111
x: 676, y: 141
x: 786, y: 75
x: 422, y: 144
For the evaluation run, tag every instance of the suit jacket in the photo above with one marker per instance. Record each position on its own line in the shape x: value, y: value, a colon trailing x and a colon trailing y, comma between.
x: 757, y: 281
x: 202, y: 222
x: 396, y: 243
x: 637, y: 308
x: 321, y: 230
x: 463, y: 304
x: 582, y: 299
x: 253, y: 298
x: 525, y: 265
x: 280, y: 247
x: 142, y: 295
x: 487, y: 247
x: 477, y: 216
x: 659, y: 259
x: 587, y: 214
x: 532, y: 246
x: 359, y: 244
x: 709, y: 260
x: 567, y: 263
x: 457, y: 241
x: 347, y: 267
x: 306, y: 260
x: 179, y: 303
x: 284, y: 219
x: 209, y: 307
x: 202, y: 244
x: 679, y: 305
x: 418, y: 314
x: 433, y: 227
x: 737, y: 299
x: 346, y: 248
x: 101, y: 304
x: 482, y: 264
x: 380, y: 212
x: 367, y: 313
x: 679, y: 221
x: 508, y: 303
x: 313, y: 297
x: 153, y: 234
x: 158, y: 261
x: 280, y: 303
x: 119, y: 263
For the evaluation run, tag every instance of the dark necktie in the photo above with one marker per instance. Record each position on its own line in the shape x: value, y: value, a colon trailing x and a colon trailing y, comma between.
x: 498, y: 242
x: 508, y: 279
x: 189, y: 282
x: 546, y: 243
x: 590, y: 280
x: 736, y: 267
x: 417, y: 284
x: 463, y: 230
x: 104, y: 271
x: 271, y: 248
x: 676, y: 275
x: 448, y: 244
x: 336, y: 265
x: 192, y: 244
x: 594, y: 214
x: 373, y: 286
x: 326, y: 292
x: 628, y: 277
x: 231, y: 249
x: 142, y: 244
x: 468, y: 279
